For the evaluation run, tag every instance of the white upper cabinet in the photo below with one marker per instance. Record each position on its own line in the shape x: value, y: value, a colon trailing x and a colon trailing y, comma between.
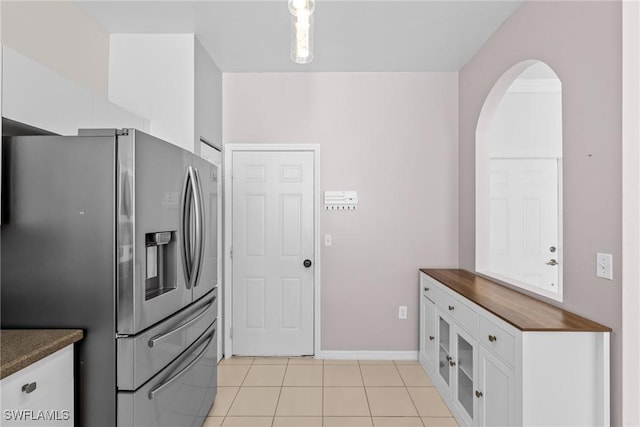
x: 170, y: 79
x: 35, y: 95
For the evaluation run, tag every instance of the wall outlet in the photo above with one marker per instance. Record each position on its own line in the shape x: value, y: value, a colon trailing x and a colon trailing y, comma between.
x: 604, y: 266
x: 402, y: 312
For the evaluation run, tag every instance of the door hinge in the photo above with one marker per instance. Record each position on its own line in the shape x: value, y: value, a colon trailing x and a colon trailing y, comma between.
x: 231, y: 332
x: 231, y: 252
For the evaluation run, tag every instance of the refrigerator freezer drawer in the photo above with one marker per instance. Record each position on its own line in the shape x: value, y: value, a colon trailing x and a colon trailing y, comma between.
x: 180, y: 395
x: 142, y: 356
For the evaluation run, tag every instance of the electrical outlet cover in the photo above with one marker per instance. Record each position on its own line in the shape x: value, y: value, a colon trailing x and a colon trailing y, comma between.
x: 604, y: 266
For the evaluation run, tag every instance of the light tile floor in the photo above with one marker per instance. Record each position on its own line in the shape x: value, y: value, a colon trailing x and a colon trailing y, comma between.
x: 307, y: 392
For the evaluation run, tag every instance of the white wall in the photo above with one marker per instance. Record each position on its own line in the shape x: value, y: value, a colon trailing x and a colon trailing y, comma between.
x: 152, y: 75
x: 62, y: 37
x: 393, y: 138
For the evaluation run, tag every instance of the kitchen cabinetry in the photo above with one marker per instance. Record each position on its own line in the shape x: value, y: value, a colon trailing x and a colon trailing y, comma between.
x: 495, y: 401
x: 504, y: 359
x: 40, y: 394
x: 171, y: 80
x: 427, y: 328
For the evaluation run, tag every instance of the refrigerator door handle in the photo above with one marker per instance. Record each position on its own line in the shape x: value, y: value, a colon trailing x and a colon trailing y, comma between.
x: 156, y: 339
x: 200, y: 227
x: 158, y: 388
x: 185, y: 220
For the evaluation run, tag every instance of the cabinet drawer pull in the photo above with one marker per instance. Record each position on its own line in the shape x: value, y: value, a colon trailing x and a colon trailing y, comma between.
x: 478, y: 394
x: 451, y: 308
x: 431, y: 338
x: 28, y: 388
x: 493, y: 338
x: 452, y: 363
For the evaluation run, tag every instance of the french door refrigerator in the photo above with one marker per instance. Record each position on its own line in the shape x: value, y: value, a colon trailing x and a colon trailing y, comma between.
x: 114, y: 232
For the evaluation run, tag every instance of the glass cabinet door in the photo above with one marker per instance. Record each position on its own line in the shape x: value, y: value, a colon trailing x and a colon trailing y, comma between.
x: 464, y: 374
x: 444, y: 350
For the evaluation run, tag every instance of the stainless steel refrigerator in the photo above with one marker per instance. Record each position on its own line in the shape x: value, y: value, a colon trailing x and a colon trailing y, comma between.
x: 114, y: 232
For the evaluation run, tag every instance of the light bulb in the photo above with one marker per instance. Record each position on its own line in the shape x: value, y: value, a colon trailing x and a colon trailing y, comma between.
x: 301, y: 40
x: 301, y: 7
x: 302, y: 37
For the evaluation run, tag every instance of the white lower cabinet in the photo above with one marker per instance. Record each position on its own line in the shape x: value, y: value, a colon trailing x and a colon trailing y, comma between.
x: 428, y: 332
x: 40, y: 394
x: 495, y: 391
x: 457, y: 363
x: 489, y: 373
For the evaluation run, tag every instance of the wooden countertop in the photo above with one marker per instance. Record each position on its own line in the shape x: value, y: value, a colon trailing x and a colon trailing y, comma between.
x: 20, y: 348
x: 521, y: 311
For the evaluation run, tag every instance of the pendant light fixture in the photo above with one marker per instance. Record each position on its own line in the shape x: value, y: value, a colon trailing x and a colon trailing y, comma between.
x: 301, y: 30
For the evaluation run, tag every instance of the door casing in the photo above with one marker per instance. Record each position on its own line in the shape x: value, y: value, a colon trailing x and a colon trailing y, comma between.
x: 229, y: 149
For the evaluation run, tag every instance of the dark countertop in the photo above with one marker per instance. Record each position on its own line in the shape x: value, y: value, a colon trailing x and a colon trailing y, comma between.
x: 20, y: 348
x: 520, y: 310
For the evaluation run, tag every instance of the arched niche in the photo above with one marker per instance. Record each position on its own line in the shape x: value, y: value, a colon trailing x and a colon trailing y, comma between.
x: 519, y: 180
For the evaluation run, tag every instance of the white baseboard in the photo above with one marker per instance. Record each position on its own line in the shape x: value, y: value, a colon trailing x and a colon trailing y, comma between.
x: 367, y: 355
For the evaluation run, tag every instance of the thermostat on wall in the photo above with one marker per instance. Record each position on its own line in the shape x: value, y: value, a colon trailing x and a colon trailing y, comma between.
x: 341, y: 200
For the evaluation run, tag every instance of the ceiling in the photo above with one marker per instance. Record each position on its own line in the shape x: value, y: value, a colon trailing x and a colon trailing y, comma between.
x: 360, y: 35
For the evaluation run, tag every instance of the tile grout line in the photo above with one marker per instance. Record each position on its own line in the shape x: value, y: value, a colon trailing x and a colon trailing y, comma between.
x: 275, y: 411
x: 322, y: 398
x: 406, y: 388
x: 237, y: 393
x: 366, y: 395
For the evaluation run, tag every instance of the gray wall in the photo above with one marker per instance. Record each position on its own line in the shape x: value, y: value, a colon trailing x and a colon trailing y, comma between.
x: 393, y: 138
x: 582, y: 42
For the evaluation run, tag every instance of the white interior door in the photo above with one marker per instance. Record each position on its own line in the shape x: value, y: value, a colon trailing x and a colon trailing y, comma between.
x: 273, y: 291
x: 524, y: 195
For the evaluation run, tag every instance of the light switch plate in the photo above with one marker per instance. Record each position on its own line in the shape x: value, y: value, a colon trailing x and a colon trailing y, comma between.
x: 604, y: 266
x: 327, y: 240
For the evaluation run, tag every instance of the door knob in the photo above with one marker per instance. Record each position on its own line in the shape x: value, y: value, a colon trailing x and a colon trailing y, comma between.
x: 307, y: 263
x: 478, y: 394
x: 552, y: 262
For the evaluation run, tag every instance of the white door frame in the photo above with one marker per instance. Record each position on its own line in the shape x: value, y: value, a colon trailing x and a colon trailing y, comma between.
x: 229, y: 149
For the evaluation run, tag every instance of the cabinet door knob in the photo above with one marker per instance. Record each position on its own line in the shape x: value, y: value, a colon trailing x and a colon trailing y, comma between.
x: 431, y: 338
x: 452, y: 363
x: 478, y: 394
x: 451, y: 308
x: 426, y: 289
x: 493, y: 338
x: 448, y: 358
x: 28, y: 388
